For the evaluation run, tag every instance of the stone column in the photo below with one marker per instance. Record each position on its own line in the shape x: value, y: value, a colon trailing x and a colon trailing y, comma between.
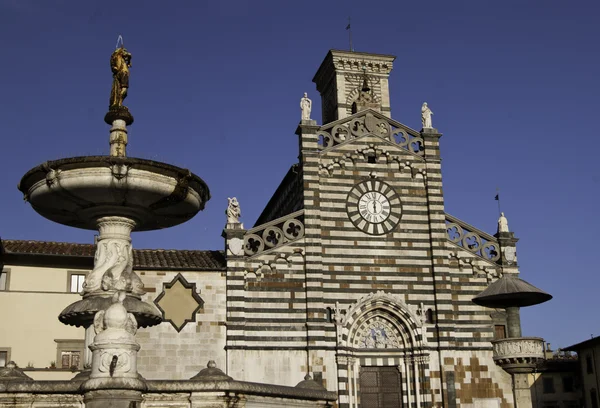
x: 119, y: 118
x: 521, y: 390
x: 118, y: 138
x: 513, y: 322
x: 407, y: 380
x: 417, y: 382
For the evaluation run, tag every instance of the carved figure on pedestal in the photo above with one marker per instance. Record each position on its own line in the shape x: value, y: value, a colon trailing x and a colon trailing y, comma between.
x: 502, y: 223
x: 426, y: 114
x: 305, y: 106
x: 233, y: 211
x: 120, y: 62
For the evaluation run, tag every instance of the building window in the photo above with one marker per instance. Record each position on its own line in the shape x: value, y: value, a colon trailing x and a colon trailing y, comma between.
x: 499, y: 331
x: 4, y: 356
x: 594, y: 398
x: 4, y: 279
x: 69, y: 353
x: 568, y: 385
x: 76, y: 280
x: 548, y: 383
x: 429, y: 316
x: 589, y: 364
x: 70, y: 359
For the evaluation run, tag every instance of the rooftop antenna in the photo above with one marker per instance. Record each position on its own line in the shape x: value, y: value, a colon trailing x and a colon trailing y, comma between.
x: 119, y: 40
x: 349, y: 29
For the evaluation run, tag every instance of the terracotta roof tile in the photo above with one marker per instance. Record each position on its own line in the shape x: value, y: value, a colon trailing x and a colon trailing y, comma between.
x: 142, y: 258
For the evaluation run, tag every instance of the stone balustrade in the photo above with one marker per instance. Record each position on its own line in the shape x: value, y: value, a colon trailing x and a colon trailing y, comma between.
x: 518, y: 354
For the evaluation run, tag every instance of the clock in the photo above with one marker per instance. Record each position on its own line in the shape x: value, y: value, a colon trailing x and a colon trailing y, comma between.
x: 374, y: 207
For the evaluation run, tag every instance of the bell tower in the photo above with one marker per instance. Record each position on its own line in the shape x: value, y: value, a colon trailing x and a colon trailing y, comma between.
x: 352, y: 81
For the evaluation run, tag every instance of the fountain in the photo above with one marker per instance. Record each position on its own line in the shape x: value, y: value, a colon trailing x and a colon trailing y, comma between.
x: 115, y: 195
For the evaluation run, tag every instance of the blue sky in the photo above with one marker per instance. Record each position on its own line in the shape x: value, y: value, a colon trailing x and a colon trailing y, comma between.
x: 215, y: 88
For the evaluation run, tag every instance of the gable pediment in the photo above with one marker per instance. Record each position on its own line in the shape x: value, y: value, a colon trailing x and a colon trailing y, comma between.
x: 376, y: 114
x: 370, y: 123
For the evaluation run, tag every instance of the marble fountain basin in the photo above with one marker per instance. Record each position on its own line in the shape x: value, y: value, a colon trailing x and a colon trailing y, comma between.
x: 78, y: 191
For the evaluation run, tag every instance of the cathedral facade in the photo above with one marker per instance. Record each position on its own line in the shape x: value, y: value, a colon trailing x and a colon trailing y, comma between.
x: 355, y: 274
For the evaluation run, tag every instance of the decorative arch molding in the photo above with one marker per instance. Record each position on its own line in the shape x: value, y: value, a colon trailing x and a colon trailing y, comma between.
x: 356, y: 93
x: 380, y: 310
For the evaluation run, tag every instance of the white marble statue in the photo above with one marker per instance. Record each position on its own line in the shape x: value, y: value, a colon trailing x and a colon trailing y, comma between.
x: 233, y: 211
x: 305, y: 106
x: 502, y: 223
x: 426, y: 116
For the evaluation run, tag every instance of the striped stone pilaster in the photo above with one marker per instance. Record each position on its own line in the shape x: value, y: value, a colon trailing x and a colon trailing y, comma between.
x: 445, y: 309
x: 345, y: 373
x: 309, y: 161
x: 235, y: 281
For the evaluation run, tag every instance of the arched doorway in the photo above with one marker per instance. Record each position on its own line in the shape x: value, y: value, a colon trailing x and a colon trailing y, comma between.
x: 381, y: 355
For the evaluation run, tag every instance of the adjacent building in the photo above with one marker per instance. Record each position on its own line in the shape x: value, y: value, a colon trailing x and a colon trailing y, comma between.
x: 589, y: 363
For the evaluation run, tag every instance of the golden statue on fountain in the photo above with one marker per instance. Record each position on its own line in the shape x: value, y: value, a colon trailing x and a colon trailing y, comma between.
x: 120, y: 62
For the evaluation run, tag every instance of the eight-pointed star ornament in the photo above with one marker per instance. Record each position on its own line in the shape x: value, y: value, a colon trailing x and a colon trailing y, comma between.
x: 179, y: 302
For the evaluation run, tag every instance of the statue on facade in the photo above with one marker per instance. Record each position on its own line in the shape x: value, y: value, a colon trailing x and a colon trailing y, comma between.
x: 120, y: 62
x: 502, y: 223
x: 426, y: 116
x: 305, y: 106
x: 233, y: 211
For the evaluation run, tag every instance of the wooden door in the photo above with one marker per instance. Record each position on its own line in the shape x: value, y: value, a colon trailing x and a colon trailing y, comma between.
x: 380, y: 387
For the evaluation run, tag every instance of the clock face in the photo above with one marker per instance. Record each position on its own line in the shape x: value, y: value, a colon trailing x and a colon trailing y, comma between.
x: 374, y: 207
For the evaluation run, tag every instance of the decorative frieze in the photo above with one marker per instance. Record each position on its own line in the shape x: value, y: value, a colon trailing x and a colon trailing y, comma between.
x: 380, y: 155
x: 472, y: 239
x: 362, y: 65
x: 274, y: 234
